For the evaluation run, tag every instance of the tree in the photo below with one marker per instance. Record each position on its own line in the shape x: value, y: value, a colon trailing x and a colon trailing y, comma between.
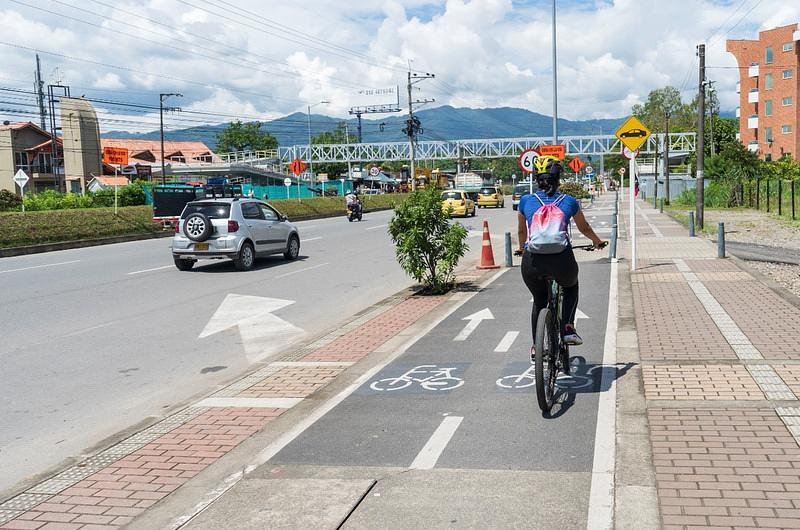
x: 238, y: 136
x: 428, y: 246
x: 661, y: 103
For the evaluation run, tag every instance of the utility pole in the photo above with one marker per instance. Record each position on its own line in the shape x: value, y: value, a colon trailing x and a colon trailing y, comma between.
x: 374, y: 109
x: 39, y: 89
x: 555, y: 80
x: 347, y: 146
x: 161, y: 109
x: 666, y: 159
x: 413, y: 125
x: 701, y: 126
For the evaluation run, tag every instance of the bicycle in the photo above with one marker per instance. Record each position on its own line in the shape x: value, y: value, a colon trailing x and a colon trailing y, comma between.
x: 551, y: 355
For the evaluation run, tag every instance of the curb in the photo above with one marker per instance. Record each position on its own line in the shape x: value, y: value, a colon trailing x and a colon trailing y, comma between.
x: 83, y: 243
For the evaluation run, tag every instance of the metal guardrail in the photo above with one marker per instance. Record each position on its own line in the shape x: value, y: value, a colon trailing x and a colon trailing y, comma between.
x: 680, y: 143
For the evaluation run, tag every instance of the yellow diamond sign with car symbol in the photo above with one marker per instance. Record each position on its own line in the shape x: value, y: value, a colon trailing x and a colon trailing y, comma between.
x: 633, y: 133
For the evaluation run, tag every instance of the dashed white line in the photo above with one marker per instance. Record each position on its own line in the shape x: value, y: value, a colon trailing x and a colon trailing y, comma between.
x: 40, y: 266
x: 301, y: 270
x: 377, y: 227
x: 151, y: 270
x: 312, y: 239
x: 507, y: 341
x: 433, y: 449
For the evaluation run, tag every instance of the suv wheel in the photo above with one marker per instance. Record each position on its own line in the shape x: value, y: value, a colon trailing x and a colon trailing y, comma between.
x: 246, y: 258
x: 184, y: 264
x: 292, y: 248
x: 197, y: 227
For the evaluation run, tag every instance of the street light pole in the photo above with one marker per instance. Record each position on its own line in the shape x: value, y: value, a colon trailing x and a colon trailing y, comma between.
x: 555, y: 80
x: 161, y: 99
x: 310, y: 157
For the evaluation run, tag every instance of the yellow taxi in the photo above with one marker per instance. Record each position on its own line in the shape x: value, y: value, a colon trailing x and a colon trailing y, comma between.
x: 491, y: 196
x: 457, y: 202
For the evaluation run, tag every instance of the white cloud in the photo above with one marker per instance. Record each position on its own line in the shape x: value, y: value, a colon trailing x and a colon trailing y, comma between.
x: 484, y: 52
x: 109, y: 81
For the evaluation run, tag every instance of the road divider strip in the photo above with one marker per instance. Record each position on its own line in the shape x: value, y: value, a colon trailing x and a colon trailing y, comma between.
x: 433, y: 449
x: 506, y: 342
x: 40, y: 266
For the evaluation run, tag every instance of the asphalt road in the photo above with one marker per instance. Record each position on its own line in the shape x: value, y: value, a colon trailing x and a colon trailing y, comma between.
x: 448, y: 434
x: 96, y: 340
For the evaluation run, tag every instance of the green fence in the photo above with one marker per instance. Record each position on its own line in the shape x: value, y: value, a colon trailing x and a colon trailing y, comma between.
x: 773, y: 196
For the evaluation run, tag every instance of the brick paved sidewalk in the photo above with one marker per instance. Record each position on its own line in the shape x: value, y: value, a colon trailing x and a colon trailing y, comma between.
x: 109, y: 489
x: 721, y: 370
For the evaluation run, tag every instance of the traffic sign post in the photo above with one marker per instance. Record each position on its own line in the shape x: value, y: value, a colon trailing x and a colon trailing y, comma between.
x: 288, y: 183
x: 297, y: 166
x: 633, y: 134
x: 576, y: 164
x: 374, y: 171
x: 21, y: 178
x: 526, y: 164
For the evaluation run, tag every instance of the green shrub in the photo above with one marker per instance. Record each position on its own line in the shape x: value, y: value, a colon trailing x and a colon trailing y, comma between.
x: 9, y: 201
x: 38, y: 227
x: 717, y: 195
x: 428, y: 246
x: 574, y: 189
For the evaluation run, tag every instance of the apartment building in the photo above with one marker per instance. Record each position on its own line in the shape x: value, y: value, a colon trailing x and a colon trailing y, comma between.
x: 768, y: 91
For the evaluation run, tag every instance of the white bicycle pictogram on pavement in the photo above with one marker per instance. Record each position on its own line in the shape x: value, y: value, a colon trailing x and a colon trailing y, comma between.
x: 527, y: 379
x: 429, y: 377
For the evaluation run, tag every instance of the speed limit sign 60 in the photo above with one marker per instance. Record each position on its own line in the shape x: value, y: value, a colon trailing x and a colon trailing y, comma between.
x: 526, y: 160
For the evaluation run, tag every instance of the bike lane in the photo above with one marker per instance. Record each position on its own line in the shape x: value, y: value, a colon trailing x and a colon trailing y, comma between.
x: 448, y: 405
x: 449, y: 433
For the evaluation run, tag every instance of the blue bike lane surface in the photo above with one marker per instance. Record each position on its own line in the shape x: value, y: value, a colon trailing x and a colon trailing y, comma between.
x: 451, y: 429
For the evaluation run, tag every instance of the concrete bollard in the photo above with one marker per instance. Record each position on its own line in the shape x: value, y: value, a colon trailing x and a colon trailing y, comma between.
x: 661, y: 206
x: 721, y: 240
x: 612, y: 251
x: 691, y: 224
x: 509, y: 260
x: 655, y: 201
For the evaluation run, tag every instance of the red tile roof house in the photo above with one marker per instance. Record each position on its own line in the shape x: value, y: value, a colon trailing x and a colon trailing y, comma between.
x: 177, y: 154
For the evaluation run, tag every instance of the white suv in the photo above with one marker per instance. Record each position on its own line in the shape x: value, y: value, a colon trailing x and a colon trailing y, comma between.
x: 239, y: 229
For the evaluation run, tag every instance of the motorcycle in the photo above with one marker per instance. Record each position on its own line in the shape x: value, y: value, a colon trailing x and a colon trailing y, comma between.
x: 355, y: 211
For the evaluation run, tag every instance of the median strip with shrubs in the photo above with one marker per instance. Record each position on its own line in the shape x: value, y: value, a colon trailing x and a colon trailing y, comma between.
x: 76, y: 224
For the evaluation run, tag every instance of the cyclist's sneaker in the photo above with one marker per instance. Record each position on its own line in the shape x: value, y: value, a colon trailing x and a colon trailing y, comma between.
x: 571, y: 336
x: 533, y: 355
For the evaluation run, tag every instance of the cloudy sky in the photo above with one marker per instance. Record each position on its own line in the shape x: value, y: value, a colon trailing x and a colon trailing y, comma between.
x: 267, y: 58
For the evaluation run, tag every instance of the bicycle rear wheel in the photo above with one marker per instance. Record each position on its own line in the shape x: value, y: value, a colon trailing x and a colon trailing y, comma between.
x: 545, y: 360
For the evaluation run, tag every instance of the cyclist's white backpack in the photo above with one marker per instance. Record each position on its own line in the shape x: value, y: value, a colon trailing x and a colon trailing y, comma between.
x: 547, y: 231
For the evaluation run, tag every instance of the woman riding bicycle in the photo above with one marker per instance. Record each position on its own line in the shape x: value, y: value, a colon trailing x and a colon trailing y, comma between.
x: 554, y: 258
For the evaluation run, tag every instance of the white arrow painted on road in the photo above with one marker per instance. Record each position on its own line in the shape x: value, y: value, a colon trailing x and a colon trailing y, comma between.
x: 474, y: 321
x: 262, y: 332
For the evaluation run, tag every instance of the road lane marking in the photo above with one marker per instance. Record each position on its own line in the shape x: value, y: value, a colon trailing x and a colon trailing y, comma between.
x: 507, y: 342
x: 92, y: 328
x: 376, y: 227
x: 474, y: 321
x: 601, y: 493
x: 324, y: 408
x: 429, y: 455
x: 268, y: 403
x: 40, y: 266
x: 302, y: 270
x: 151, y: 270
x: 312, y: 239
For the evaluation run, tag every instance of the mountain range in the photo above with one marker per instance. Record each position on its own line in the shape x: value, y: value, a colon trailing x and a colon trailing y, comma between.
x: 439, y: 123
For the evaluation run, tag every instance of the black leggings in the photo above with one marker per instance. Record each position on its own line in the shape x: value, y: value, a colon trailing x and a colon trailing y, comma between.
x: 563, y: 269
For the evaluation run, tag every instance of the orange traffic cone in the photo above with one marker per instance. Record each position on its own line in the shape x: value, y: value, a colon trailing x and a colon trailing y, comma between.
x: 487, y: 256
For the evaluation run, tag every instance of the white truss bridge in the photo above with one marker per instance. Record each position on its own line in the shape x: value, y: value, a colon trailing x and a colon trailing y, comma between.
x: 679, y: 143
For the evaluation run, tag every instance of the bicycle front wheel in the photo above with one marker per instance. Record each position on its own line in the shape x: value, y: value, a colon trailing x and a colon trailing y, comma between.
x: 544, y: 360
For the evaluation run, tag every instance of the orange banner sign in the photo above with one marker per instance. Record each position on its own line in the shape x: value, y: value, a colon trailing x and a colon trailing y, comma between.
x: 559, y: 150
x: 115, y: 155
